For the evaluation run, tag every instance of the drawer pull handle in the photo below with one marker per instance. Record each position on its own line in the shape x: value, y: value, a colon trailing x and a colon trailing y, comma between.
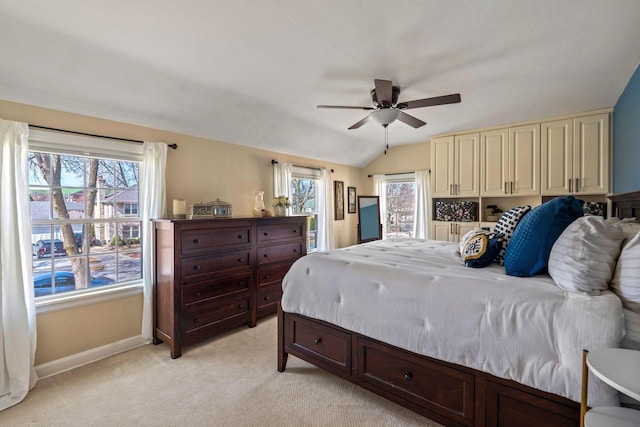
x: 295, y: 231
x: 197, y: 294
x: 317, y: 340
x: 266, y: 256
x: 267, y: 298
x: 266, y: 234
x: 196, y: 241
x: 240, y: 306
x: 267, y: 277
x: 408, y: 376
x: 240, y: 236
x: 196, y: 321
x: 295, y: 251
x: 196, y: 267
x: 240, y: 259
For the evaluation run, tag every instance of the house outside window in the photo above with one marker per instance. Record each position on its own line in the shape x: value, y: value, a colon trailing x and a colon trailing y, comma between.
x: 304, y: 194
x: 84, y: 215
x: 400, y: 209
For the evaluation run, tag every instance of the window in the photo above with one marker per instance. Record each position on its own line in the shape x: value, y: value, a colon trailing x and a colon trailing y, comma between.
x: 304, y: 194
x: 84, y: 215
x: 400, y: 209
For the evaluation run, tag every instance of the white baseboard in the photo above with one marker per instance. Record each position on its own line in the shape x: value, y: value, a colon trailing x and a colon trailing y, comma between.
x: 76, y: 360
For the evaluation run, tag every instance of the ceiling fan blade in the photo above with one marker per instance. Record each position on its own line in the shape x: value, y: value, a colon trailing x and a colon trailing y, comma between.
x: 410, y: 120
x: 384, y: 91
x: 429, y: 102
x: 360, y: 123
x: 345, y: 107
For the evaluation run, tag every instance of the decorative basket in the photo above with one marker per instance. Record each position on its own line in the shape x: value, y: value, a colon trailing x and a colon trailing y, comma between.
x: 214, y: 209
x: 456, y: 210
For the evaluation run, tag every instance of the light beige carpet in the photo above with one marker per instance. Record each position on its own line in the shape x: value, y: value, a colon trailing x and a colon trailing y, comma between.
x: 229, y: 380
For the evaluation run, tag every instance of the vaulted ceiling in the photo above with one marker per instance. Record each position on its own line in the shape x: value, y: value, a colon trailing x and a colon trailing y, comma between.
x: 251, y: 72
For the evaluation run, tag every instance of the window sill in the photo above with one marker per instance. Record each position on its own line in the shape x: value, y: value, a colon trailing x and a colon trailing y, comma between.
x: 52, y: 303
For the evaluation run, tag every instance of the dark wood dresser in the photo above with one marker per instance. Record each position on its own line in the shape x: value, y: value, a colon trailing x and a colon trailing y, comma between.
x: 216, y: 274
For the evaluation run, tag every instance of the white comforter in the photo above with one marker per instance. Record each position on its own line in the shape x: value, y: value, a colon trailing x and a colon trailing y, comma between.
x: 418, y: 295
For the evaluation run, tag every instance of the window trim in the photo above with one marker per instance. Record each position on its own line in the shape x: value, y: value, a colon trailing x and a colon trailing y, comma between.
x: 57, y: 302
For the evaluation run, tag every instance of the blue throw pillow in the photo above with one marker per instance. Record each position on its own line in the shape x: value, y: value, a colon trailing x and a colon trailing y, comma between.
x: 531, y: 243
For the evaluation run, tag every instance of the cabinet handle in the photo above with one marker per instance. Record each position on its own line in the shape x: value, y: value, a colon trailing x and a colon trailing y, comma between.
x: 240, y: 306
x: 196, y: 241
x: 569, y: 184
x: 266, y: 255
x: 266, y: 234
x: 196, y: 267
x: 240, y: 236
x: 197, y: 294
x: 408, y: 376
x: 577, y: 184
x: 295, y: 251
x: 505, y: 187
x: 511, y: 187
x: 295, y: 231
x: 455, y: 189
x: 196, y: 321
x: 267, y: 276
x: 451, y: 189
x: 240, y: 259
x: 317, y: 340
x: 267, y: 298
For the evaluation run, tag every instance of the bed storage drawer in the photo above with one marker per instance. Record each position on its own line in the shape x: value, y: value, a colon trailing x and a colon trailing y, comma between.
x: 413, y: 378
x: 321, y: 345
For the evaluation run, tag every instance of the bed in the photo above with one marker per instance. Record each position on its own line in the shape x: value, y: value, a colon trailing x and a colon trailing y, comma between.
x: 455, y: 344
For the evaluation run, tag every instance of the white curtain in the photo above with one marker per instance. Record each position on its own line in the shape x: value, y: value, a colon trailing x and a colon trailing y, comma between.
x: 380, y: 190
x: 17, y: 306
x: 325, y: 224
x: 153, y: 204
x: 421, y: 216
x: 282, y: 180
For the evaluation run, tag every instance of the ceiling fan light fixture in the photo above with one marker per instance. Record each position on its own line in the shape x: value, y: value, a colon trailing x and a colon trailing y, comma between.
x: 385, y: 116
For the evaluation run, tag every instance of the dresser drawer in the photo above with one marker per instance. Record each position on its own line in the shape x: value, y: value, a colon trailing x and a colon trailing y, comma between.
x: 201, y: 293
x: 275, y: 232
x: 210, y: 314
x: 217, y: 265
x: 325, y: 346
x: 272, y: 274
x: 289, y: 251
x: 270, y: 294
x: 194, y: 241
x: 415, y: 379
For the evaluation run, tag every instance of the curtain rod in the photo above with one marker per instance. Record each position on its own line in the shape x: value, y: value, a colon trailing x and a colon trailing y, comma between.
x: 174, y: 146
x: 397, y: 173
x: 273, y: 162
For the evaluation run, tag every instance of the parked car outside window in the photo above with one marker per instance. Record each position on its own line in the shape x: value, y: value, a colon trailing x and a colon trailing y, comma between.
x: 42, y: 248
x: 65, y: 282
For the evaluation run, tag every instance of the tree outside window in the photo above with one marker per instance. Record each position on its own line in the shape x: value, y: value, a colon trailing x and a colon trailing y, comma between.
x: 304, y: 202
x: 401, y: 199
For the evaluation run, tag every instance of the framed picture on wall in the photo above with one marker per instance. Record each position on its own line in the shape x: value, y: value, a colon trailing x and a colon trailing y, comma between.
x: 338, y: 200
x: 351, y: 200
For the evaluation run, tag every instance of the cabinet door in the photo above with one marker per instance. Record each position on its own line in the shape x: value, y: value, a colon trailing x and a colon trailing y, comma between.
x: 442, y: 160
x: 524, y: 156
x: 494, y: 155
x: 442, y: 231
x: 467, y: 165
x: 557, y: 157
x: 463, y: 228
x: 591, y: 154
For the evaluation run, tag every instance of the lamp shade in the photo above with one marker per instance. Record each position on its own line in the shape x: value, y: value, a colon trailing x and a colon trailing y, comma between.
x: 384, y: 116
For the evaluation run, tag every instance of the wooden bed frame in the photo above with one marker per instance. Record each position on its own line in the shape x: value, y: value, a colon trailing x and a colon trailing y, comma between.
x: 450, y: 394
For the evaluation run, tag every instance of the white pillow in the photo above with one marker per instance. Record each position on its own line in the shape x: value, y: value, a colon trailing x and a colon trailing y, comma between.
x: 583, y: 258
x: 631, y: 338
x: 626, y: 280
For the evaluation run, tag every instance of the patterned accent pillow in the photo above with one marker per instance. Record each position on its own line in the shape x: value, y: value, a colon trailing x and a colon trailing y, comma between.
x: 480, y: 248
x: 506, y: 225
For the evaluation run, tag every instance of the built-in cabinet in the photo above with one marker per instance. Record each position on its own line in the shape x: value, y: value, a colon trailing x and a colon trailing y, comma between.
x: 520, y: 164
x: 575, y: 156
x: 459, y: 156
x: 510, y: 161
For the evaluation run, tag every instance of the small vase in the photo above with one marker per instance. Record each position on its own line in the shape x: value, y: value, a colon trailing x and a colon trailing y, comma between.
x: 258, y: 203
x: 280, y: 211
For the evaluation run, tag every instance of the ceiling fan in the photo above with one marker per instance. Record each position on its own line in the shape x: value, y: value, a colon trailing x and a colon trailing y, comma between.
x: 387, y: 109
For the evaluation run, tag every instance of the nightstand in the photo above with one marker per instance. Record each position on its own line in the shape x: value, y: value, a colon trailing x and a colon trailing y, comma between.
x: 619, y: 368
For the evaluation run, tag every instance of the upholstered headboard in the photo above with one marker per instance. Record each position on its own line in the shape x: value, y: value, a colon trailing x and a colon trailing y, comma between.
x: 626, y: 205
